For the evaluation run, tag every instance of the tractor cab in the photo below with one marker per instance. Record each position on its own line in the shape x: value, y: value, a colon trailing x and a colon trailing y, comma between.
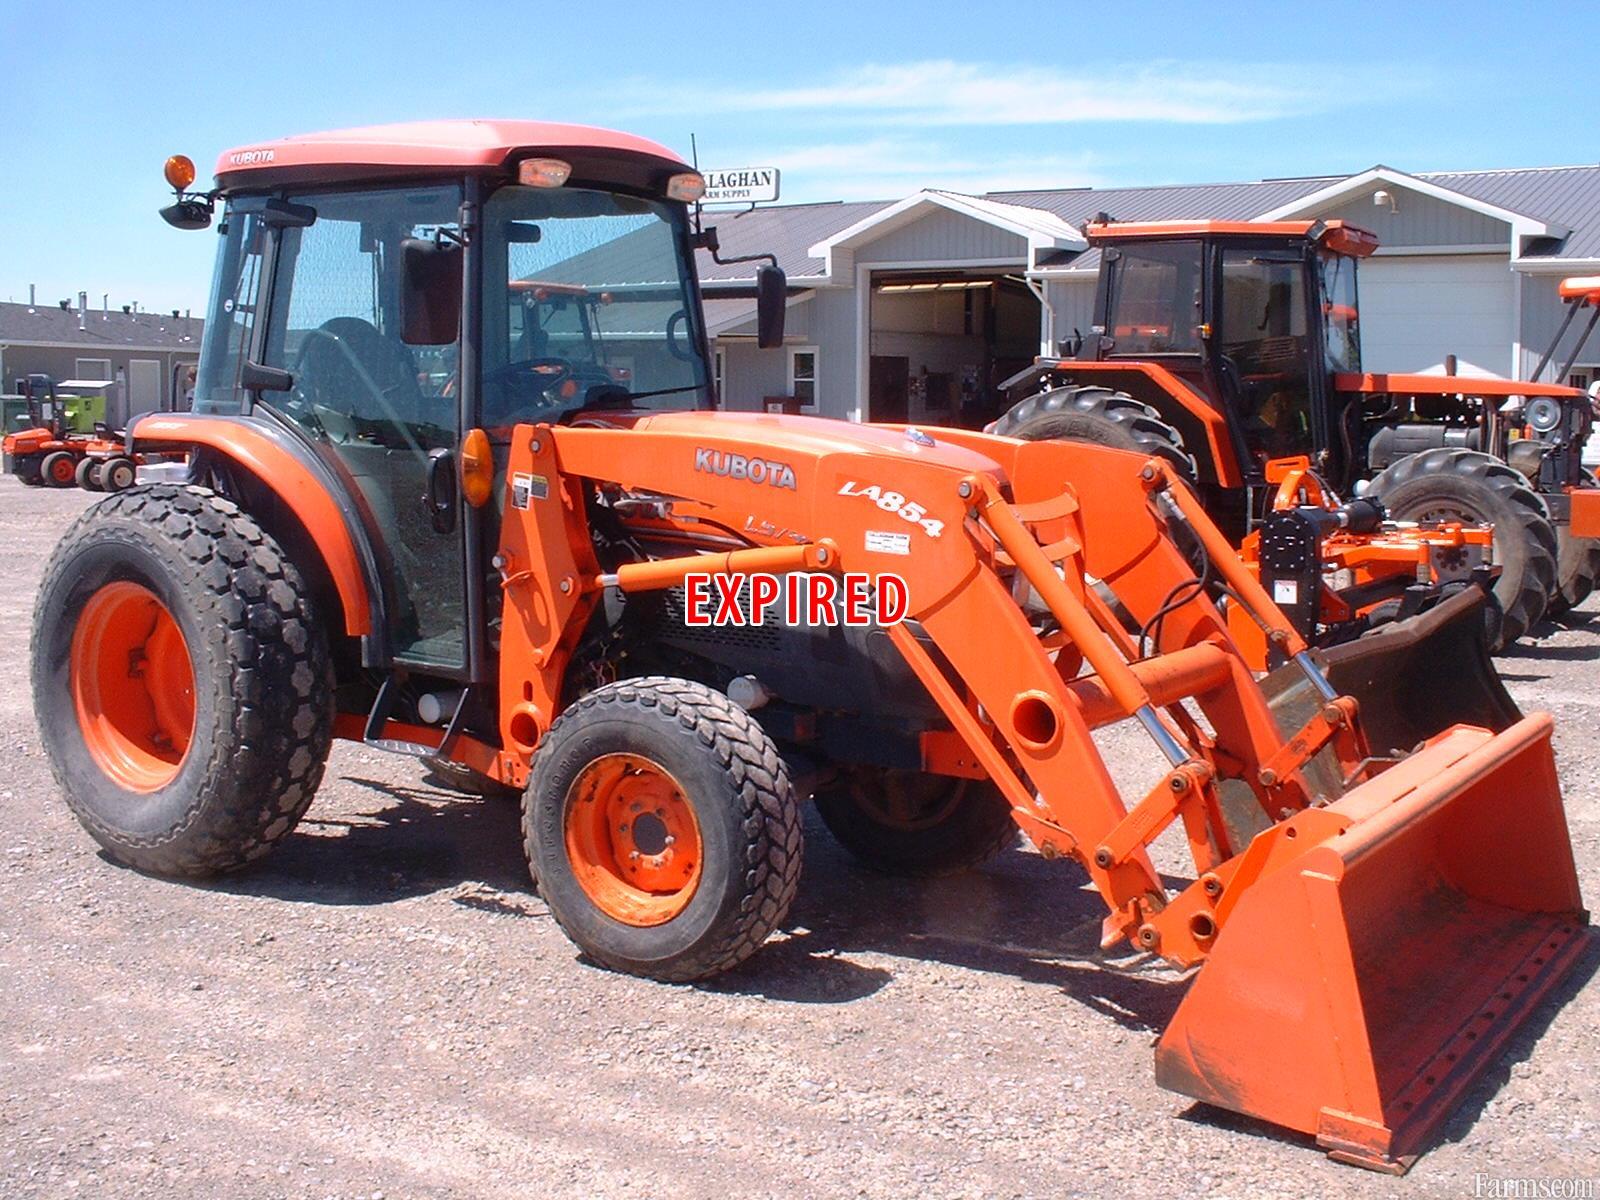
x: 391, y: 303
x: 1254, y: 317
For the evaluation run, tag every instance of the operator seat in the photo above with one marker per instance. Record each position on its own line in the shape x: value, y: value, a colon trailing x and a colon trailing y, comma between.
x: 348, y: 369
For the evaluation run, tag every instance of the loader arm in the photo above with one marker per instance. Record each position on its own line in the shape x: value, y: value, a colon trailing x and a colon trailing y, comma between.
x: 981, y: 511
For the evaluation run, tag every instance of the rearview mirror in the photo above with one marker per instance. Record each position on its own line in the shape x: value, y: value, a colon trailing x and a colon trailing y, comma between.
x: 772, y: 296
x: 430, y: 292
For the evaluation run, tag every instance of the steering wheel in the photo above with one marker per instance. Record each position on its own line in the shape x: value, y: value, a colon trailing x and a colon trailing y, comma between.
x: 530, y: 379
x: 674, y: 346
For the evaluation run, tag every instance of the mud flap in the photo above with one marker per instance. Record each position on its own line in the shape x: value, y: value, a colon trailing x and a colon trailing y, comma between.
x: 1375, y: 955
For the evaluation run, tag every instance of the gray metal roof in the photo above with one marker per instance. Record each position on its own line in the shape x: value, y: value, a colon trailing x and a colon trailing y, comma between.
x: 1568, y: 196
x: 52, y: 325
x: 786, y: 230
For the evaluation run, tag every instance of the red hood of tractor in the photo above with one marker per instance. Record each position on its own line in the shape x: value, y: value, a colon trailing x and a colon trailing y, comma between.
x: 1447, y: 385
x: 826, y: 435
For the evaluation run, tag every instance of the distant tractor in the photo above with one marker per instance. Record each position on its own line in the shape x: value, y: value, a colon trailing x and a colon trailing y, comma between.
x: 1223, y: 346
x: 56, y: 451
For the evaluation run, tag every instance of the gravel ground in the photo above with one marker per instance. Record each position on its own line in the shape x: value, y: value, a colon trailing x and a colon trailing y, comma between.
x: 384, y: 1008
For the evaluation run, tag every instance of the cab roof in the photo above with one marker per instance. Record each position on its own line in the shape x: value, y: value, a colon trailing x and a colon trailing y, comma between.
x: 430, y: 147
x: 1339, y: 236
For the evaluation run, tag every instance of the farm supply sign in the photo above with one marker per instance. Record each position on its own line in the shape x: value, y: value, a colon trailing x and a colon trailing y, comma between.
x: 741, y: 185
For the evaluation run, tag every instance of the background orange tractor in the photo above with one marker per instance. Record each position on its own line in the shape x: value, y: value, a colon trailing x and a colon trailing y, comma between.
x: 54, y: 451
x: 433, y: 510
x: 1222, y: 346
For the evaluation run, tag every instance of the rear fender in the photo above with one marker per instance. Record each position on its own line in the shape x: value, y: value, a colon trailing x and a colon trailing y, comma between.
x: 307, y: 490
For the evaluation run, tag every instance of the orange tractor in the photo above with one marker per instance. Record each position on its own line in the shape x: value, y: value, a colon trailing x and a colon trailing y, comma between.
x: 1223, y: 346
x: 431, y: 512
x: 51, y: 453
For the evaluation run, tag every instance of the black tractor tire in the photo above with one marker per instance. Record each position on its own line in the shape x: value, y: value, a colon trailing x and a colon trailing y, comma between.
x: 118, y: 474
x: 456, y: 778
x: 28, y: 470
x: 1099, y: 415
x: 1577, y: 565
x: 258, y: 680
x: 88, y: 475
x: 913, y: 824
x: 58, y: 469
x: 1467, y: 485
x: 710, y: 759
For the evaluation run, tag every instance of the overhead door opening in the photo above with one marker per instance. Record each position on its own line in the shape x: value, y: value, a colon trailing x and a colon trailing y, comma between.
x: 940, y: 345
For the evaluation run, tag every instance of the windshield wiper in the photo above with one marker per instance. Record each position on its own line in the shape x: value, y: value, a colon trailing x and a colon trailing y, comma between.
x: 688, y: 387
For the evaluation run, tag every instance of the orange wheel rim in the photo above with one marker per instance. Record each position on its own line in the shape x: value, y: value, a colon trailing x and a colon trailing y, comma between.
x: 633, y: 840
x: 132, y: 686
x: 64, y: 470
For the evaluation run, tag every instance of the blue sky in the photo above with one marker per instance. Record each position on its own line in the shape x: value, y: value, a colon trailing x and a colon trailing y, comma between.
x: 851, y: 100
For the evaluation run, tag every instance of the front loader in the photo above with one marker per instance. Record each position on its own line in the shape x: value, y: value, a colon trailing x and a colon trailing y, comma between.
x: 431, y: 518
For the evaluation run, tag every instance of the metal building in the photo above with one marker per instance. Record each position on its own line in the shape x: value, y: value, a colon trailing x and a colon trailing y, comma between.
x: 145, y: 357
x: 915, y: 309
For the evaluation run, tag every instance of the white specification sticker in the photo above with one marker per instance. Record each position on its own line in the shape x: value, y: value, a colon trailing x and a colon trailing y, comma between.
x: 888, y: 543
x: 1285, y: 591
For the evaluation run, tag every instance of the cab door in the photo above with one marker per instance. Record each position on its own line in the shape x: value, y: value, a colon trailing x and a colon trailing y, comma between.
x: 383, y: 411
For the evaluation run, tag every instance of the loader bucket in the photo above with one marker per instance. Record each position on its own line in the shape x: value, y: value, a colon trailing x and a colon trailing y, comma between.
x: 1413, y: 679
x: 1379, y: 951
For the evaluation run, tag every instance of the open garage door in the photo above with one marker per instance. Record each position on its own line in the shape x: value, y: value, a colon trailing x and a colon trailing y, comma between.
x: 1417, y: 309
x: 942, y: 343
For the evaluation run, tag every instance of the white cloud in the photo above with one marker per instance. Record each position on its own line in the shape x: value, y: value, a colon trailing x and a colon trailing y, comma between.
x: 948, y: 93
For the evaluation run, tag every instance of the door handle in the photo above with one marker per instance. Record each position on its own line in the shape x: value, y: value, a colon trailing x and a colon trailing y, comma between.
x: 441, y: 498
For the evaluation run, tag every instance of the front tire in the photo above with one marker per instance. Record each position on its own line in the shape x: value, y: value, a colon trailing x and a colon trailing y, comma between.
x: 662, y: 829
x: 913, y: 824
x: 181, y: 682
x: 118, y: 474
x: 88, y: 475
x: 1577, y: 564
x: 1477, y: 488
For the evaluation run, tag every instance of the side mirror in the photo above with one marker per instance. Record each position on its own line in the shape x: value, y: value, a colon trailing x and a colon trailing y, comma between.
x: 187, y: 214
x: 430, y: 292
x: 772, y: 298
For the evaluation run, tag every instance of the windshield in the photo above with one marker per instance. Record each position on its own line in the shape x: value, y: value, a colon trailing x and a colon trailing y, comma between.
x: 1340, y: 327
x: 1154, y: 300
x: 588, y: 304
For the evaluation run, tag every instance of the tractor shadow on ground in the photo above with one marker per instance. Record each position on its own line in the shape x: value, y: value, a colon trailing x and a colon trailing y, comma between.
x: 1018, y: 916
x: 423, y: 840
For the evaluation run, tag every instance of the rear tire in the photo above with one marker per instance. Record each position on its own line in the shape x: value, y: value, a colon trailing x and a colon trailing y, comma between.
x: 1469, y: 486
x: 1099, y: 415
x: 913, y: 824
x: 167, y: 608
x: 88, y: 475
x: 59, y: 469
x: 28, y: 470
x: 1577, y: 564
x: 630, y: 766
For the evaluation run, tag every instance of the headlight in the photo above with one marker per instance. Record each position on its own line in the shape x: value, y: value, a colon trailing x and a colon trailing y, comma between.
x: 1543, y: 413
